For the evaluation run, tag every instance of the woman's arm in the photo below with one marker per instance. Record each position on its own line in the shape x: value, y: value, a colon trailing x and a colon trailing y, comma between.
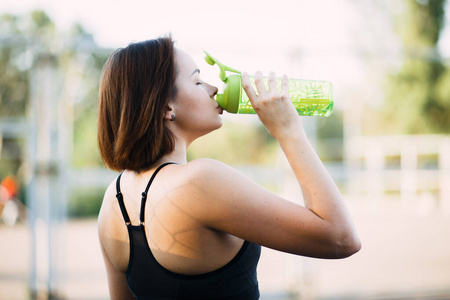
x: 225, y: 200
x: 117, y: 282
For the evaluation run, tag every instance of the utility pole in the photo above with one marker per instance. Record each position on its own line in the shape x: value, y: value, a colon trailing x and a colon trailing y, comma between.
x: 46, y: 192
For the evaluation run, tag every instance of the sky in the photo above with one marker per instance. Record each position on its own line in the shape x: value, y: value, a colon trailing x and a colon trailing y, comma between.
x: 116, y: 22
x: 343, y: 41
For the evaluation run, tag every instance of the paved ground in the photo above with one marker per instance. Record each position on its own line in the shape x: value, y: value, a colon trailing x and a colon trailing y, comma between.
x: 405, y: 255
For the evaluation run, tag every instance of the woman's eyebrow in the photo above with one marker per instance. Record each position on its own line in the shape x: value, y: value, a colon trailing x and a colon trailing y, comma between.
x: 196, y: 71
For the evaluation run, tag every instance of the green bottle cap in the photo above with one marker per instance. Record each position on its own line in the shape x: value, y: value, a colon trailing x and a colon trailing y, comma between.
x: 232, y: 93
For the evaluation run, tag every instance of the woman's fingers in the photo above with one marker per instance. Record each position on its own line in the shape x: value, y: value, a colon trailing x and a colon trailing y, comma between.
x: 272, y: 83
x: 267, y: 92
x: 248, y: 87
x: 260, y: 86
x: 285, y: 86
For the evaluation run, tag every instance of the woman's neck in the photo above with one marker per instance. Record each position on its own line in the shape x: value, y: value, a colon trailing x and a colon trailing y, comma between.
x: 178, y: 155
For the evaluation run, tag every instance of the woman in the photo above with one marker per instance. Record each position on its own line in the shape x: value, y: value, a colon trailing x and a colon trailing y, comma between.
x: 172, y: 229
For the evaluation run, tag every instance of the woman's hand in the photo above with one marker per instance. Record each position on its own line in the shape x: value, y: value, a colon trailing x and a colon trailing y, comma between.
x: 274, y: 108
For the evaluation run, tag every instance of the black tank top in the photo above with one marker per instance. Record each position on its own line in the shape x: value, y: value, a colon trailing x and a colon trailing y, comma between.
x: 148, y: 280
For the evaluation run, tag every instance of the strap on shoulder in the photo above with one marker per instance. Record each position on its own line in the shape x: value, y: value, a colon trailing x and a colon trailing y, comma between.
x: 144, y: 194
x: 119, y: 197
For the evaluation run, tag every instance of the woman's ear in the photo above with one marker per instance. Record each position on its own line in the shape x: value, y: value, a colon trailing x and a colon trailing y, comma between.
x: 169, y: 114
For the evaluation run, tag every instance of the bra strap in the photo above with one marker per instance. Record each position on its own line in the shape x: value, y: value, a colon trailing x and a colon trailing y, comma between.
x: 144, y: 194
x: 119, y: 197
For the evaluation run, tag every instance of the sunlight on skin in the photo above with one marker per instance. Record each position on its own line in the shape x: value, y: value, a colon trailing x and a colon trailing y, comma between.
x: 175, y: 241
x: 116, y: 233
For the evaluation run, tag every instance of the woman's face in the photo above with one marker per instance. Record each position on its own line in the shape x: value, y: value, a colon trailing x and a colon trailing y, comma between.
x: 196, y: 111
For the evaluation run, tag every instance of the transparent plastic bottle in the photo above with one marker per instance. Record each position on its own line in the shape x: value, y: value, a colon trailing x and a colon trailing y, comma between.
x: 310, y: 97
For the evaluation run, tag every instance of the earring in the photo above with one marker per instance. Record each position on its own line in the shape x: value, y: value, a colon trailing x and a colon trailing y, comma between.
x: 172, y: 118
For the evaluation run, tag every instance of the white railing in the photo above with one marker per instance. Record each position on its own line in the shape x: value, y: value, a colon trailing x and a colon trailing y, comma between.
x: 409, y: 166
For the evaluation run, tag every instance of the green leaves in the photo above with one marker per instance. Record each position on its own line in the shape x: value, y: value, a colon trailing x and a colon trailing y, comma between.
x: 417, y: 98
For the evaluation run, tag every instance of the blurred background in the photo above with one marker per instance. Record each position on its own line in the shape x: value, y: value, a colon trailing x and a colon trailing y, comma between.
x: 387, y: 143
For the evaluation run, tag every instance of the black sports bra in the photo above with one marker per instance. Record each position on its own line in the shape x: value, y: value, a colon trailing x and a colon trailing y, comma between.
x: 148, y: 280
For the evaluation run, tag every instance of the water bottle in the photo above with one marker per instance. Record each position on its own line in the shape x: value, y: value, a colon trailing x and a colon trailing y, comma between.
x: 310, y: 97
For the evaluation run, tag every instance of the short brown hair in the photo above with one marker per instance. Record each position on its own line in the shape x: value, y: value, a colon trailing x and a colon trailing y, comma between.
x: 137, y: 83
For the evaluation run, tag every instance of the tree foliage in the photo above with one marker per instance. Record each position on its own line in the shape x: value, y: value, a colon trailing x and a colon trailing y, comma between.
x: 16, y: 60
x: 418, y: 95
x: 24, y: 40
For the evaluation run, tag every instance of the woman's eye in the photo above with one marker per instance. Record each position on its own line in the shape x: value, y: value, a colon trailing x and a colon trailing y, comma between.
x: 198, y: 83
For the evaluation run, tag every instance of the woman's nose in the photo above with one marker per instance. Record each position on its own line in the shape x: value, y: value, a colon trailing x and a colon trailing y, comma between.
x: 214, y: 91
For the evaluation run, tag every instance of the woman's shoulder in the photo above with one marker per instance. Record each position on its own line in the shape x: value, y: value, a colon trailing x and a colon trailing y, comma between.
x: 210, y: 179
x: 107, y: 202
x: 207, y: 170
x: 109, y: 215
x: 205, y: 164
